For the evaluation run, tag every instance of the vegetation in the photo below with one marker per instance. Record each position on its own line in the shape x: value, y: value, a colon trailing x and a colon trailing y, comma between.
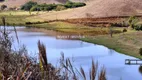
x: 70, y: 4
x: 60, y: 7
x: 28, y: 5
x: 138, y: 27
x: 126, y: 43
x: 75, y: 29
x: 133, y: 22
x: 124, y: 30
x: 3, y: 7
x: 49, y: 7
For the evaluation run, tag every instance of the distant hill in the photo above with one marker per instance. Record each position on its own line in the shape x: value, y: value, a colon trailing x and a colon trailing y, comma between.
x: 96, y: 8
x: 18, y: 3
x: 100, y: 8
x: 104, y: 8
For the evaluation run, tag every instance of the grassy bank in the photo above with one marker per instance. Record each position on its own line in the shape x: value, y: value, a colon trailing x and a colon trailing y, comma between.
x: 76, y: 29
x: 19, y: 17
x: 128, y: 43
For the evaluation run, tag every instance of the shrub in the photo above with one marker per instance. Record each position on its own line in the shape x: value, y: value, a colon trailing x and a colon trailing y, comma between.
x: 60, y: 7
x: 124, y: 30
x: 78, y: 4
x: 121, y: 24
x: 138, y: 27
x: 133, y: 21
x: 49, y: 7
x: 28, y: 5
x: 70, y: 4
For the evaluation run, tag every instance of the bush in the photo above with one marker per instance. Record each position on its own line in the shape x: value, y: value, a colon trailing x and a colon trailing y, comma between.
x: 49, y: 7
x: 133, y: 21
x: 78, y: 4
x: 28, y: 5
x: 138, y: 27
x: 59, y: 8
x: 121, y: 24
x: 124, y: 30
x: 70, y: 4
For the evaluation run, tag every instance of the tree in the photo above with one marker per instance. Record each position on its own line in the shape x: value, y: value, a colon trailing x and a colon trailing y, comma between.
x: 28, y: 5
x: 3, y: 7
x: 133, y: 21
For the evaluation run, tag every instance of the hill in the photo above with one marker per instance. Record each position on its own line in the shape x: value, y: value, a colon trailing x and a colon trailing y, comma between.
x: 95, y: 8
x: 17, y: 3
x: 98, y: 8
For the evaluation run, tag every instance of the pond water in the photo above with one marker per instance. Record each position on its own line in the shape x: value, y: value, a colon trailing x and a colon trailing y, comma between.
x: 81, y: 53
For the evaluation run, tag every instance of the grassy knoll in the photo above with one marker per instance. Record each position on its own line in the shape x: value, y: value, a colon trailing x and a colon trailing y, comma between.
x: 128, y: 43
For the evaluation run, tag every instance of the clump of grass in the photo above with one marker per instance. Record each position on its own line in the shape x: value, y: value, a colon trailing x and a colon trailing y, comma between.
x: 102, y: 75
x: 124, y: 30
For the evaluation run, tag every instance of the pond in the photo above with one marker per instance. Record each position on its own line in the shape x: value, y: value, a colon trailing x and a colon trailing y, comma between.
x: 81, y: 53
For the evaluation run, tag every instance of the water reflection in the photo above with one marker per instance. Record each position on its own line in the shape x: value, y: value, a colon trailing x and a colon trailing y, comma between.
x: 111, y: 51
x: 140, y: 69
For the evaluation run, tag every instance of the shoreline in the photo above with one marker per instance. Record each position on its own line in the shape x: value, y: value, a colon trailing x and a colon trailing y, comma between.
x: 103, y: 40
x: 117, y: 46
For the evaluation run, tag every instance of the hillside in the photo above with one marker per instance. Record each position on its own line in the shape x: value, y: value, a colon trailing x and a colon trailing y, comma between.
x: 17, y: 3
x: 98, y: 8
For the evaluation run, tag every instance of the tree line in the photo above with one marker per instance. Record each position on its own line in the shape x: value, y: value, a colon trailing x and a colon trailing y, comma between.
x: 34, y: 6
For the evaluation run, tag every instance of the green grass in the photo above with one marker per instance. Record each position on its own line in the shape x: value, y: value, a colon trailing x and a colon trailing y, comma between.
x: 75, y: 28
x: 128, y: 43
x: 18, y: 17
